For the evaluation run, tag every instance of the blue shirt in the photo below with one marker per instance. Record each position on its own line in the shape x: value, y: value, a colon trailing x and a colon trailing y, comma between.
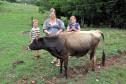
x: 53, y: 28
x: 74, y: 25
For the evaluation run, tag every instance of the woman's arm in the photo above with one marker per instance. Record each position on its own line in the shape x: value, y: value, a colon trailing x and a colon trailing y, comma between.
x: 45, y: 27
x: 60, y: 30
x: 45, y: 31
x: 61, y: 25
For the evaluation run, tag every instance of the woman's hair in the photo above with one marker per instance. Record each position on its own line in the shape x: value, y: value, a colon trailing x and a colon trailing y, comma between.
x: 52, y: 10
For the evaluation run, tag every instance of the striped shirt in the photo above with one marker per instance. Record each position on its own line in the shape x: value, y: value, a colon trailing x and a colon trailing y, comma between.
x: 35, y: 32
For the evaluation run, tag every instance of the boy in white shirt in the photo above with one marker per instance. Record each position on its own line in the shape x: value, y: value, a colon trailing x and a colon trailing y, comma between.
x: 34, y: 34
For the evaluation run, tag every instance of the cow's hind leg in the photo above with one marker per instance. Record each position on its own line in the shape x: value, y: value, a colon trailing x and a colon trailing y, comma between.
x: 93, y: 60
x: 66, y: 65
x: 61, y: 65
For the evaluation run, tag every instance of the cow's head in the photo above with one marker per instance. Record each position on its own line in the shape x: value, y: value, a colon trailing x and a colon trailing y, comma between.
x: 36, y: 44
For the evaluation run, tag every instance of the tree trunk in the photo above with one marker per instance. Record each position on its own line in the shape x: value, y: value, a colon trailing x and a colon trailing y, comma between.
x: 82, y: 21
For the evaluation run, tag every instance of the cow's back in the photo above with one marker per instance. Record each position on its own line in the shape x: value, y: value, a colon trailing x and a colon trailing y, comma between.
x: 78, y: 43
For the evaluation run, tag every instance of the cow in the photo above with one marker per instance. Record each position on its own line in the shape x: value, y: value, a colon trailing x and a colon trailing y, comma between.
x: 68, y: 44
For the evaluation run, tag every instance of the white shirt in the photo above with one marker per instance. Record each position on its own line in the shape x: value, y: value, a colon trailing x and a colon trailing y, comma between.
x: 35, y: 32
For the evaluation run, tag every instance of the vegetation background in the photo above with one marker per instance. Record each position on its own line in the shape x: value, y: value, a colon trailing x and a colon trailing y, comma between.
x: 15, y: 24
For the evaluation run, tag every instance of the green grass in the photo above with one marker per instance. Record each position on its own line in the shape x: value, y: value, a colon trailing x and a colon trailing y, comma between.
x: 16, y: 19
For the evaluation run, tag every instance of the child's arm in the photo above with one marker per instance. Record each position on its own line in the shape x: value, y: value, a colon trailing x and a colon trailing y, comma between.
x: 37, y: 35
x: 78, y: 27
x: 68, y: 28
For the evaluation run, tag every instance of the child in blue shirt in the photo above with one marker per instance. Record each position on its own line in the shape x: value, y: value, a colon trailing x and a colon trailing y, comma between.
x: 73, y: 25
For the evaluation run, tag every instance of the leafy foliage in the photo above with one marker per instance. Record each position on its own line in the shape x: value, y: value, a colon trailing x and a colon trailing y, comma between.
x: 91, y: 12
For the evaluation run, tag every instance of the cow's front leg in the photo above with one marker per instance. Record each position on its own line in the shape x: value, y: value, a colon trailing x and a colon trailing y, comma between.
x: 61, y: 66
x: 66, y: 65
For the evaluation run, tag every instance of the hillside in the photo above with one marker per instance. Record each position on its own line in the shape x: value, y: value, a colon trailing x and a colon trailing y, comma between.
x: 15, y: 24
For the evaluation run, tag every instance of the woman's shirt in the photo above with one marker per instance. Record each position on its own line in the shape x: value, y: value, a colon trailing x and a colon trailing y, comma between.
x: 55, y: 27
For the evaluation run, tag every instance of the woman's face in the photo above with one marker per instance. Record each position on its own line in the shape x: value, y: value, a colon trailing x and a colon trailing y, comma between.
x: 52, y: 15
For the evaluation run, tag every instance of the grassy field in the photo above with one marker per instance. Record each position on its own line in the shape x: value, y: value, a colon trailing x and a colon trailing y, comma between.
x: 15, y: 22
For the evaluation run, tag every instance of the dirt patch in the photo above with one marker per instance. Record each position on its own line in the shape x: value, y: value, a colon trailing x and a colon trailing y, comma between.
x: 81, y: 71
x: 77, y: 71
x: 17, y: 62
x: 116, y: 59
x: 73, y: 72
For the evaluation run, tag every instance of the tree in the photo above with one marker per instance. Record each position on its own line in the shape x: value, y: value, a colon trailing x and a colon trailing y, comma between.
x: 91, y: 12
x: 11, y: 0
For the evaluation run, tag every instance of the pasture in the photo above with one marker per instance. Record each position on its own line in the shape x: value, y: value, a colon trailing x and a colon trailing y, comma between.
x: 15, y: 23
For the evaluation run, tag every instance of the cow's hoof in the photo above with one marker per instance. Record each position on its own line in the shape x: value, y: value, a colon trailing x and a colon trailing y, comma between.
x: 53, y: 62
x: 33, y: 82
x: 93, y: 69
x: 57, y: 64
x: 38, y: 56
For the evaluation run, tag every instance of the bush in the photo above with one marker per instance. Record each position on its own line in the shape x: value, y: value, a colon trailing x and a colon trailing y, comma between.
x: 11, y: 0
x: 91, y: 12
x: 65, y: 20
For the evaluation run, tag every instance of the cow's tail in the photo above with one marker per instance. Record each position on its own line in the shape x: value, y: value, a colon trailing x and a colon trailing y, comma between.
x: 103, y: 52
x: 103, y: 58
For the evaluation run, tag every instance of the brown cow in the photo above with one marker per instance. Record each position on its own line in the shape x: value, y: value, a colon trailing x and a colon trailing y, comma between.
x: 70, y: 44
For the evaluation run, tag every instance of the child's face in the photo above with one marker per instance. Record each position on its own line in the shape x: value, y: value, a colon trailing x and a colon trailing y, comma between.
x: 35, y: 24
x: 73, y: 20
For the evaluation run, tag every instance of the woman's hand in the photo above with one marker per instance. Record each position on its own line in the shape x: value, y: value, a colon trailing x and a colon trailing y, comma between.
x: 47, y: 33
x: 59, y: 31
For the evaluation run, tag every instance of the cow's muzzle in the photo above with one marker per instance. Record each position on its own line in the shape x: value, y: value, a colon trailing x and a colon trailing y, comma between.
x: 28, y: 48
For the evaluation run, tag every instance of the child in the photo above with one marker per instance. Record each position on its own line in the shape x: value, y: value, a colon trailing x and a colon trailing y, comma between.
x: 73, y: 25
x: 34, y: 34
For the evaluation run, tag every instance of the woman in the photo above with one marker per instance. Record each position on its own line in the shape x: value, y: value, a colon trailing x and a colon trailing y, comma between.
x: 53, y: 25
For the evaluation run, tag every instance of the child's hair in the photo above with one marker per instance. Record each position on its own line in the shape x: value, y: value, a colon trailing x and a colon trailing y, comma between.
x: 72, y: 17
x: 34, y: 20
